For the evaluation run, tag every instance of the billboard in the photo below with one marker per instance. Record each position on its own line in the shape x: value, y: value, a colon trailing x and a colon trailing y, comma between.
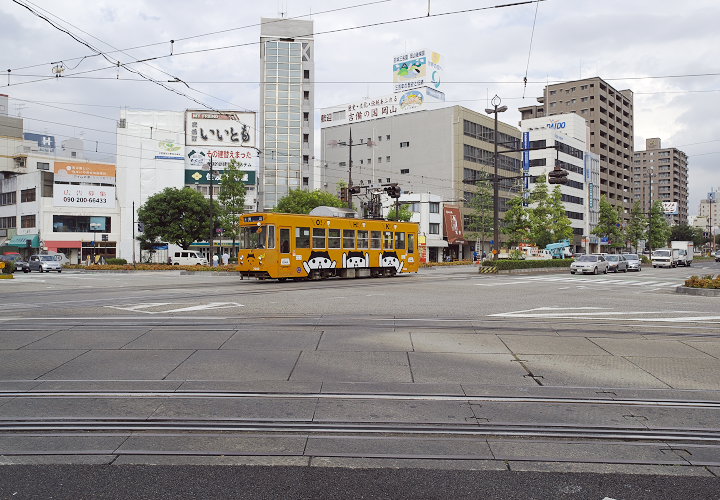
x: 419, y: 68
x: 219, y: 129
x: 203, y: 177
x: 379, y: 107
x: 670, y: 207
x: 169, y: 150
x: 69, y: 195
x: 452, y: 217
x: 68, y: 171
x: 46, y: 143
x: 197, y: 156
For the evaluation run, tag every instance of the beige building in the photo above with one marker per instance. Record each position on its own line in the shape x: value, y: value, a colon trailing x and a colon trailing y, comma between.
x: 661, y: 174
x: 609, y: 113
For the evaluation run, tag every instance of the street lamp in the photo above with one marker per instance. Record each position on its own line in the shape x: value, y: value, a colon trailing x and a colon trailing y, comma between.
x: 496, y: 194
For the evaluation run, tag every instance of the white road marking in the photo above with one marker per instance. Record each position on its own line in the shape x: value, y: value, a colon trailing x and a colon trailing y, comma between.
x: 197, y: 307
x: 606, y: 314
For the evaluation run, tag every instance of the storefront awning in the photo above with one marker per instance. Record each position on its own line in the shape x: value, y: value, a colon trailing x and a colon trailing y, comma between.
x: 20, y: 240
x: 437, y: 243
x: 54, y: 245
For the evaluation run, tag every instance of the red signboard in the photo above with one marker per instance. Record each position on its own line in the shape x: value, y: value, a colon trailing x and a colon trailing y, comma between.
x: 453, y: 225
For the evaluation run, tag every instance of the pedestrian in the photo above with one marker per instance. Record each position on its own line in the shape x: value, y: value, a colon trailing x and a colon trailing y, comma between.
x: 215, y: 260
x: 225, y: 258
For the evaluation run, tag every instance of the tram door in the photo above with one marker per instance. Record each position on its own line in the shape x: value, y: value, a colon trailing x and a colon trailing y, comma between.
x: 285, y: 249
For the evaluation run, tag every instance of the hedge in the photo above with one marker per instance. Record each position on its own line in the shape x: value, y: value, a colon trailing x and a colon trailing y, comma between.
x: 113, y: 261
x: 707, y: 281
x: 505, y: 264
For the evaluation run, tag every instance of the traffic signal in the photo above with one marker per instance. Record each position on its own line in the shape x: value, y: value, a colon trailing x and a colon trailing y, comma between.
x: 141, y: 227
x: 344, y: 194
x: 393, y: 190
x: 354, y: 189
x: 558, y: 176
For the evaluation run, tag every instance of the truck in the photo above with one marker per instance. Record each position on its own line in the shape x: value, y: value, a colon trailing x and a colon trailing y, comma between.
x: 687, y: 248
x: 559, y: 250
x: 665, y: 257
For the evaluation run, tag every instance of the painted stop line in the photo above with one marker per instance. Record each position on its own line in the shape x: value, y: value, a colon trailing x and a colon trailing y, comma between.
x: 169, y: 307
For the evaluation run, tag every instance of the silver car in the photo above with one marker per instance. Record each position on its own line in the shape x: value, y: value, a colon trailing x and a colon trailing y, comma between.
x: 593, y: 264
x: 633, y: 261
x: 43, y: 263
x: 616, y: 263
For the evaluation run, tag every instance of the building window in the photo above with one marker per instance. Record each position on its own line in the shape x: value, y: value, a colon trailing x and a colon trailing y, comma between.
x: 342, y: 164
x: 379, y: 138
x: 43, y: 166
x: 369, y: 161
x: 404, y: 170
x: 306, y: 138
x: 405, y: 144
x: 306, y: 95
x: 379, y: 159
x: 8, y: 199
x: 387, y: 158
x: 306, y: 159
x: 7, y: 222
x: 27, y: 221
x: 81, y: 224
x: 434, y: 207
x: 27, y: 195
x: 306, y: 181
x: 306, y: 116
x: 434, y: 228
x: 306, y: 74
x: 387, y: 137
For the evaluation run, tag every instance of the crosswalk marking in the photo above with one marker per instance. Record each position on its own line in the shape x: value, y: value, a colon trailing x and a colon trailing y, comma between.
x: 581, y: 282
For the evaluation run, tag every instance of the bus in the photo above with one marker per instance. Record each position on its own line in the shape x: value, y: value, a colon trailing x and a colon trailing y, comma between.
x: 301, y: 247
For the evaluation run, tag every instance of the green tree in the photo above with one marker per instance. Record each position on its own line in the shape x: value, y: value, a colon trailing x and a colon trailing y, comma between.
x: 405, y: 213
x: 302, y: 202
x: 608, y: 225
x: 684, y: 232
x: 516, y: 224
x: 560, y: 222
x: 636, y: 227
x: 178, y: 216
x: 658, y: 227
x: 549, y: 222
x: 231, y: 200
x: 480, y: 220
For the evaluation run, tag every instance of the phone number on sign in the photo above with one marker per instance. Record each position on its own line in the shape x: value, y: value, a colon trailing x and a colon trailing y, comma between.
x: 72, y: 199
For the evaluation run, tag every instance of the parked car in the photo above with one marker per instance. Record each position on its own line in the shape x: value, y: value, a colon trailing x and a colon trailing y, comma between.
x: 15, y: 258
x: 589, y: 264
x: 633, y: 261
x: 665, y: 257
x: 616, y: 263
x: 43, y: 263
x: 717, y: 256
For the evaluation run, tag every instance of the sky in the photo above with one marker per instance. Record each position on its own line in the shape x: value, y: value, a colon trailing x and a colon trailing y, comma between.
x: 662, y: 50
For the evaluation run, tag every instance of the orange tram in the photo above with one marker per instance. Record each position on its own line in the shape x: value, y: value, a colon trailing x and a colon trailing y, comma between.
x: 301, y: 247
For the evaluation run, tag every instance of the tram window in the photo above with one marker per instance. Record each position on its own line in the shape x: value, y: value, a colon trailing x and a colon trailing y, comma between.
x: 348, y: 238
x: 388, y: 240
x: 400, y: 241
x: 333, y: 238
x: 270, y: 236
x: 284, y: 240
x: 411, y: 243
x: 375, y: 239
x: 362, y: 239
x: 302, y: 237
x: 319, y: 237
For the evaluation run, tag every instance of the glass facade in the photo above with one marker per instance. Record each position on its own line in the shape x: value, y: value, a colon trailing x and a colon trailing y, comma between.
x: 282, y: 110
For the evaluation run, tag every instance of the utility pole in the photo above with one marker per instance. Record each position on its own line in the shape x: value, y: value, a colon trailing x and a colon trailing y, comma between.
x: 496, y: 188
x: 650, y: 213
x: 350, y: 145
x: 212, y: 210
x: 133, y: 231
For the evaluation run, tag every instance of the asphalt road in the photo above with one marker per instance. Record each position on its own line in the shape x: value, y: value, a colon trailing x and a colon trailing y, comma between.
x: 444, y: 383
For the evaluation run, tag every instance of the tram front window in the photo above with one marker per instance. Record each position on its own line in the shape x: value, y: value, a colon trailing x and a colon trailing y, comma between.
x: 252, y: 237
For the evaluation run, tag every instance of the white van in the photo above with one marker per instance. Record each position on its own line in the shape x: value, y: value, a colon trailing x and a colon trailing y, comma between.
x: 187, y: 258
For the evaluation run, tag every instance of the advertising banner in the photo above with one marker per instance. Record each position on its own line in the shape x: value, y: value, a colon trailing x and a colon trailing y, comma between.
x: 227, y: 128
x: 203, y: 177
x: 670, y: 207
x: 197, y: 156
x: 169, y: 150
x: 419, y: 68
x: 453, y: 225
x: 378, y: 107
x: 46, y: 143
x: 83, y: 196
x: 66, y: 171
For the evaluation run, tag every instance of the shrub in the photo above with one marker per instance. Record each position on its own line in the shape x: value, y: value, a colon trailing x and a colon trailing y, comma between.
x: 7, y: 267
x: 645, y: 260
x: 112, y: 261
x: 707, y: 281
x: 504, y: 265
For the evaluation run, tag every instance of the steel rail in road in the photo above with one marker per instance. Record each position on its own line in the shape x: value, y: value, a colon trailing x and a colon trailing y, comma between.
x: 656, y: 403
x: 350, y: 429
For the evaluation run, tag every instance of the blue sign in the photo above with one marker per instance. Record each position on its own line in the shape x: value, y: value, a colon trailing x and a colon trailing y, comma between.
x: 555, y: 124
x: 526, y: 153
x: 46, y: 143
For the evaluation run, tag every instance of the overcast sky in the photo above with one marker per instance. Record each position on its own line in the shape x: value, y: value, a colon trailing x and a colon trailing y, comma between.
x: 665, y: 51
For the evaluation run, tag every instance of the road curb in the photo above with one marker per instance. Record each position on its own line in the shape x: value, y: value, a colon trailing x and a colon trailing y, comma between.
x: 705, y: 292
x: 216, y: 273
x: 538, y: 270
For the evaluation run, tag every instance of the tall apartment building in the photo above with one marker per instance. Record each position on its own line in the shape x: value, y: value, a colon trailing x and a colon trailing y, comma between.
x: 609, y: 114
x: 661, y: 174
x: 286, y: 108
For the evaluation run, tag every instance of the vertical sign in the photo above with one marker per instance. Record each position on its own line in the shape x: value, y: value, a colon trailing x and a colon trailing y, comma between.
x: 526, y: 167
